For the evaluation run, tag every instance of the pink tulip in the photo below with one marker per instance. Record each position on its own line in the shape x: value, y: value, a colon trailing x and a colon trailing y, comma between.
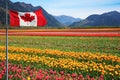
x: 88, y: 77
x: 31, y: 71
x: 51, y: 71
x: 80, y: 76
x: 16, y: 75
x: 68, y: 75
x: 39, y: 77
x: 62, y: 72
x: 2, y: 73
x: 28, y: 68
x: 40, y: 71
x: 1, y: 76
x: 47, y: 77
x: 74, y: 75
x: 31, y: 75
x: 19, y: 76
x: 23, y: 79
x: 19, y: 70
x: 92, y: 79
x: 59, y: 78
x: 101, y: 76
x: 10, y: 76
x: 46, y: 72
x: 62, y: 78
x: 101, y: 79
x: 54, y: 72
x: 13, y: 69
x: 56, y: 78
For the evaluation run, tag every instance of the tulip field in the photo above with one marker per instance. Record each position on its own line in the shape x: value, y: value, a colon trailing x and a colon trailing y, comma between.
x: 61, y: 58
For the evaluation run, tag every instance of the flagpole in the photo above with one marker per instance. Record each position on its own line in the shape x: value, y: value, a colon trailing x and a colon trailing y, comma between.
x: 6, y: 39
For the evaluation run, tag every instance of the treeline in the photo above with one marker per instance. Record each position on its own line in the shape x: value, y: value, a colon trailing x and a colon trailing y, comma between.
x: 49, y: 27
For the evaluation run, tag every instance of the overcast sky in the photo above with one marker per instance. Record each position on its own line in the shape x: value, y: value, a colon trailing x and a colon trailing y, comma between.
x: 75, y: 8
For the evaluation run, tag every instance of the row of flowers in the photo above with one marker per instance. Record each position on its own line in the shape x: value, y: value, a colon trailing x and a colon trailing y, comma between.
x: 84, y: 63
x: 92, y: 68
x: 77, y: 55
x: 19, y: 72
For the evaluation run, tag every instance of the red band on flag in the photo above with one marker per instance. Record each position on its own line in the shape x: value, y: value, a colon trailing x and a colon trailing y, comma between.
x: 41, y: 19
x: 14, y: 20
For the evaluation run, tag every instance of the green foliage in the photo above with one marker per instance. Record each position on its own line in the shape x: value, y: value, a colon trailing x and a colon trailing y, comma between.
x: 77, y: 44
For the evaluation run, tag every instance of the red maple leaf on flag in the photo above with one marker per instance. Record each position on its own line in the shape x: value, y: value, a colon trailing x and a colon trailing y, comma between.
x: 27, y: 17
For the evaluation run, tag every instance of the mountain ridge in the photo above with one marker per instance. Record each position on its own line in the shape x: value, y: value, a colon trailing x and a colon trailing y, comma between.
x: 66, y: 20
x: 105, y: 19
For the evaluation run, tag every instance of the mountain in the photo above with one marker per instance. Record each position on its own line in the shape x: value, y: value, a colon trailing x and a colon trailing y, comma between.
x: 106, y: 19
x: 23, y: 7
x: 2, y: 16
x: 66, y: 20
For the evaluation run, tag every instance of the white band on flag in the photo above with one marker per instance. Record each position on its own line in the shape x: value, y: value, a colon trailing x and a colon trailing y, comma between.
x: 32, y: 22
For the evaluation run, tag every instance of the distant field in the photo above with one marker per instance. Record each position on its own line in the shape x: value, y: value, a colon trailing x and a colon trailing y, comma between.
x: 108, y: 32
x: 58, y: 64
x: 79, y: 44
x: 65, y: 30
x: 52, y: 57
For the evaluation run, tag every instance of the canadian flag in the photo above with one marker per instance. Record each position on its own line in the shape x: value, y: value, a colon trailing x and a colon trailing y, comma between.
x: 27, y: 18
